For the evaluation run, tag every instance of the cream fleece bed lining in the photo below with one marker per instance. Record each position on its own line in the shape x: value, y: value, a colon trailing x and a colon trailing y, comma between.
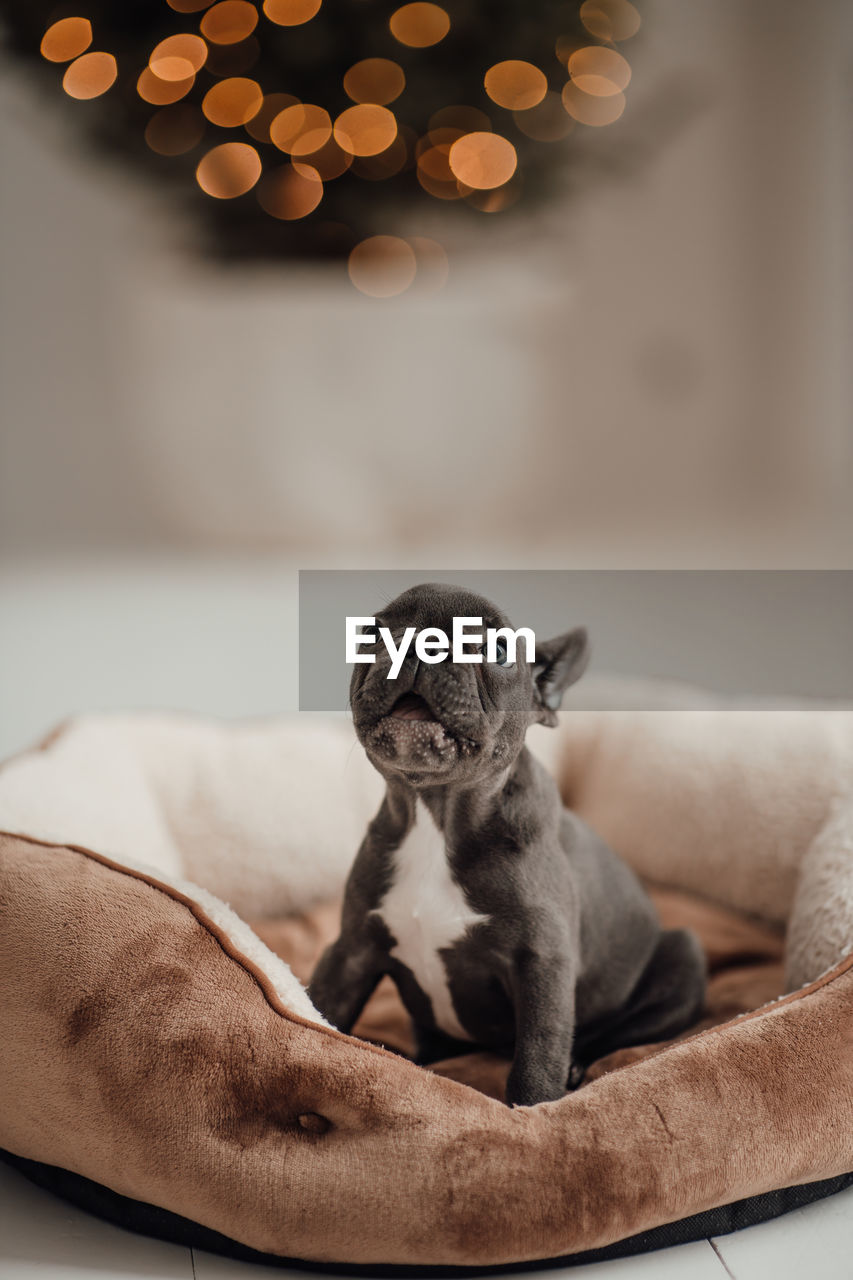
x: 751, y: 808
x: 108, y: 785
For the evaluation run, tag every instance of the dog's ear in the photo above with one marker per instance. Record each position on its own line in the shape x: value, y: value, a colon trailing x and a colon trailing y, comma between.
x: 559, y: 663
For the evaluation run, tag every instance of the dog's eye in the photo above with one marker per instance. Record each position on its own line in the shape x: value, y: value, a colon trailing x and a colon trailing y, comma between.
x: 500, y: 652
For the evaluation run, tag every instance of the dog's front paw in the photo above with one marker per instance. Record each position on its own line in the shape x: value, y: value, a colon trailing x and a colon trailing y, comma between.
x: 577, y: 1072
x: 527, y: 1089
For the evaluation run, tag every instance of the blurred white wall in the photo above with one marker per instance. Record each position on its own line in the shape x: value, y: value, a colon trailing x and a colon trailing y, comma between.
x: 656, y: 372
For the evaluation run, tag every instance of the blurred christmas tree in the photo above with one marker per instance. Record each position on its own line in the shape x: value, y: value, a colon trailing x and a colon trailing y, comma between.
x: 304, y: 128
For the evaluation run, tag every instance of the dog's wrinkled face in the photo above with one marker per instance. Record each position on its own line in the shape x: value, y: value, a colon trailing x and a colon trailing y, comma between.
x: 453, y: 722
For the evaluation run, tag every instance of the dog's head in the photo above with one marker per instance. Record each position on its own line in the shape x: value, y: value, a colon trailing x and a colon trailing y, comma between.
x: 448, y: 722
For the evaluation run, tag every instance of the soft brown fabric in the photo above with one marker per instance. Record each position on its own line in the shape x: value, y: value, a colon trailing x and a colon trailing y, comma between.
x: 745, y: 961
x: 135, y: 1050
x: 299, y: 940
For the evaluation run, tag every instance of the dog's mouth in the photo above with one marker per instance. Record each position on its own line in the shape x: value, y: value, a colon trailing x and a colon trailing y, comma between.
x: 411, y: 738
x: 411, y: 706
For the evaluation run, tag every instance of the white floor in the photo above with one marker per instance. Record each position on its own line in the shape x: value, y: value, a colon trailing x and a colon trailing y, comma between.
x: 43, y: 1239
x: 222, y: 641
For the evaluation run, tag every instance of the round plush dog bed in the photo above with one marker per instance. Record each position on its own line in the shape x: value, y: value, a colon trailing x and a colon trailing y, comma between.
x: 160, y: 1060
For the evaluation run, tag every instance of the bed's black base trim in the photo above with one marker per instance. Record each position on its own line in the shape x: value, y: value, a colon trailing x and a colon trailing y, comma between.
x: 134, y: 1215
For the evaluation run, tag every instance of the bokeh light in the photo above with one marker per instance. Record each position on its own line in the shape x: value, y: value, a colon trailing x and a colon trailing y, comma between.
x: 599, y: 71
x: 565, y: 46
x: 232, y: 102
x: 434, y: 172
x: 199, y: 84
x: 483, y: 160
x: 66, y: 39
x: 258, y: 127
x: 547, y: 121
x: 443, y: 136
x: 419, y: 25
x: 178, y: 57
x: 431, y: 263
x: 377, y: 80
x: 365, y: 129
x: 301, y: 129
x: 160, y: 92
x: 172, y: 131
x: 389, y: 162
x: 328, y: 161
x: 290, y: 193
x: 382, y: 266
x: 229, y: 170
x: 463, y: 119
x: 610, y: 19
x: 497, y: 200
x: 291, y: 13
x: 229, y: 21
x: 515, y: 85
x: 588, y: 108
x: 90, y: 75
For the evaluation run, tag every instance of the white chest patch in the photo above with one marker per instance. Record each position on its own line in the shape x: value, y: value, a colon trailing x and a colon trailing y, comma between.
x: 426, y: 910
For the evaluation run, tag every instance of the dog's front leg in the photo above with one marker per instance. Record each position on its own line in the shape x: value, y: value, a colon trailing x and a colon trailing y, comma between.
x: 344, y: 979
x: 544, y: 1000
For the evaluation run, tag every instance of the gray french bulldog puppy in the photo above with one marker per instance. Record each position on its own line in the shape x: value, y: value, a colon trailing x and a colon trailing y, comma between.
x: 504, y: 921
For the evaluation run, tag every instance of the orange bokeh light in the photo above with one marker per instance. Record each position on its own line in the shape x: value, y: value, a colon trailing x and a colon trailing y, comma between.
x: 178, y: 57
x: 433, y: 160
x: 301, y: 129
x: 435, y: 174
x: 419, y: 25
x: 547, y: 121
x: 232, y: 102
x: 388, y: 162
x: 610, y: 19
x: 377, y: 80
x: 565, y: 46
x: 66, y: 39
x: 592, y: 109
x: 515, y: 85
x: 290, y: 193
x: 365, y: 130
x: 258, y: 126
x: 432, y: 265
x: 229, y: 170
x: 439, y: 137
x: 599, y: 71
x: 229, y: 21
x: 497, y: 200
x: 172, y: 131
x: 328, y: 161
x: 464, y: 119
x: 382, y: 266
x: 90, y: 75
x: 291, y: 13
x: 160, y: 92
x: 483, y: 160
x: 189, y: 6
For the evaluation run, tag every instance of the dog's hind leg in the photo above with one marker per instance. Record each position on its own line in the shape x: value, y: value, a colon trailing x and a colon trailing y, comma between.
x: 433, y: 1045
x: 668, y: 998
